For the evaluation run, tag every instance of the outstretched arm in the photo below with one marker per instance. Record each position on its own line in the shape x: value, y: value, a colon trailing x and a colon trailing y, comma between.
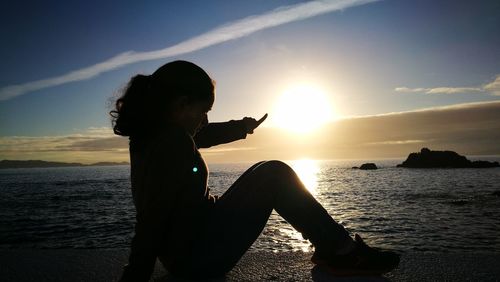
x: 224, y: 132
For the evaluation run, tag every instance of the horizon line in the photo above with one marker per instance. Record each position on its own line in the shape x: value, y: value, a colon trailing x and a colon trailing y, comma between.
x: 120, y: 163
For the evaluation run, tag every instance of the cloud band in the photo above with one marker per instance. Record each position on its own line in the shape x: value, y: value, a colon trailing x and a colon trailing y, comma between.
x: 492, y: 87
x: 231, y: 31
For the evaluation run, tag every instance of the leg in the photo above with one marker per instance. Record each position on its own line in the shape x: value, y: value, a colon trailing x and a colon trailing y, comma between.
x: 242, y: 212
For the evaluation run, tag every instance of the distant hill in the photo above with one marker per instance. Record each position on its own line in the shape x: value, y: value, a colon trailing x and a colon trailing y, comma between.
x: 38, y: 163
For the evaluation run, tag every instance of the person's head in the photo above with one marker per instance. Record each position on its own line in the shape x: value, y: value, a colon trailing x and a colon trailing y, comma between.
x: 179, y: 93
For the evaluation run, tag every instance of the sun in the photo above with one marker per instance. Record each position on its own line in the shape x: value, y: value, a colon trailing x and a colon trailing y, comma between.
x: 302, y: 109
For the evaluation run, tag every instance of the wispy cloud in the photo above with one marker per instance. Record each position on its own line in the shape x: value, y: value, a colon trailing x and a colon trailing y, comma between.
x: 439, y: 90
x: 397, y: 142
x: 230, y: 31
x: 92, y: 139
x: 493, y: 88
x: 89, y: 146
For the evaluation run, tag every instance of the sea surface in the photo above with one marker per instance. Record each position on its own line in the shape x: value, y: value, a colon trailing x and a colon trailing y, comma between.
x: 441, y: 210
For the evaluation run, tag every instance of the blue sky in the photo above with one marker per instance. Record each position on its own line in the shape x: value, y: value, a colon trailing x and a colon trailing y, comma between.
x: 375, y: 58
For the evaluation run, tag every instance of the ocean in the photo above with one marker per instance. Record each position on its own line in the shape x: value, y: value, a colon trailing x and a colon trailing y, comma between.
x: 437, y: 210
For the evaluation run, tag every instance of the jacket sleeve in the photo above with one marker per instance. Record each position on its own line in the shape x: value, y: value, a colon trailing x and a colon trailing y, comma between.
x: 220, y: 133
x: 162, y: 177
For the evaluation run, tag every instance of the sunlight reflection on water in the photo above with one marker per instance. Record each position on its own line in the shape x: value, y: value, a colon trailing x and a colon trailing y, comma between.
x: 307, y: 170
x: 296, y: 242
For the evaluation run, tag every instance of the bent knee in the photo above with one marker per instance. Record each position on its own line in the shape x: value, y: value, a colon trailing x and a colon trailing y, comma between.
x: 274, y: 166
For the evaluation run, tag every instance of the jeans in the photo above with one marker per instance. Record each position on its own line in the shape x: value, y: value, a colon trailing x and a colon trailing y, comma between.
x: 240, y: 214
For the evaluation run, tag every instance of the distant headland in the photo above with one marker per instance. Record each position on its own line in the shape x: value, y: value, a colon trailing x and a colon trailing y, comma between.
x: 41, y: 164
x: 442, y: 159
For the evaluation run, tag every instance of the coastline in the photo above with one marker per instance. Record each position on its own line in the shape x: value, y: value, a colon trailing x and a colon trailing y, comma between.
x: 106, y: 265
x: 27, y: 164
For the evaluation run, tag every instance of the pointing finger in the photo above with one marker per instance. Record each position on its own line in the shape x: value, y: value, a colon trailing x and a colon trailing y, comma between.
x: 261, y: 120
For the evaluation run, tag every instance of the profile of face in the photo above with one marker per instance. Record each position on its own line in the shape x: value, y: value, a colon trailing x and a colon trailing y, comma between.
x: 191, y: 115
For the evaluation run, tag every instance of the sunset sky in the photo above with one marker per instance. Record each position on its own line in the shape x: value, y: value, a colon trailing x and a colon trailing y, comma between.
x: 392, y: 76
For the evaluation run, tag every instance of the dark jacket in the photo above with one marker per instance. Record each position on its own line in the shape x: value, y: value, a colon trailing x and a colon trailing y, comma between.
x: 170, y: 193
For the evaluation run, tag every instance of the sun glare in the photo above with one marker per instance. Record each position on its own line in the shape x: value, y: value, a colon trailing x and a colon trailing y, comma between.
x: 302, y: 109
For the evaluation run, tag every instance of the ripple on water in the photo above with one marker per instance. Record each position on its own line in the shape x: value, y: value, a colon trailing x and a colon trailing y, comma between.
x: 402, y: 209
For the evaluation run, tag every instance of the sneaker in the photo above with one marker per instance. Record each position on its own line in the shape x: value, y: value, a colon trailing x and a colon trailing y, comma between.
x: 362, y: 261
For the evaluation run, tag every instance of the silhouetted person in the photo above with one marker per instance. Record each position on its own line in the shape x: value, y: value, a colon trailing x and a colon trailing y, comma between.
x: 193, y: 233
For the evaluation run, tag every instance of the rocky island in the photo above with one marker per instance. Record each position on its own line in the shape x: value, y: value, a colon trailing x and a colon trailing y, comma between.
x: 442, y: 159
x: 366, y: 166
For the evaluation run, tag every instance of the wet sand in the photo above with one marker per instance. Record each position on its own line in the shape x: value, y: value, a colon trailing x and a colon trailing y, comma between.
x: 106, y: 264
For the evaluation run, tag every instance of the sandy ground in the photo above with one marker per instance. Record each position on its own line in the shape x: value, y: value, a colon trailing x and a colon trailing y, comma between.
x: 106, y: 264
